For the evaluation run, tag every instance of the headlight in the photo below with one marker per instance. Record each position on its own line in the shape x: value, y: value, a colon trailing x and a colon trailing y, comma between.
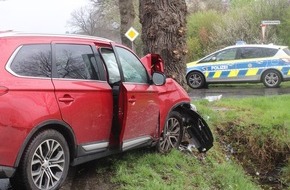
x: 193, y: 107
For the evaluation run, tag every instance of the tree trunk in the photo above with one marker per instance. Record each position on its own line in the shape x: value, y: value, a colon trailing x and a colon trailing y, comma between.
x: 164, y: 32
x: 127, y: 14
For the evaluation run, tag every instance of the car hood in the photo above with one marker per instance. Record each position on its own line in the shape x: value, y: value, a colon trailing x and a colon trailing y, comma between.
x: 191, y: 64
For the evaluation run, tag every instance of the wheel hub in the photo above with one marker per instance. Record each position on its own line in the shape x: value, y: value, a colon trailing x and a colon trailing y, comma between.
x: 167, y: 134
x: 45, y: 164
x: 271, y: 79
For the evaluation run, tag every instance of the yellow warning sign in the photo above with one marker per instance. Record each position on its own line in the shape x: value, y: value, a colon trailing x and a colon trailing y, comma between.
x: 131, y: 34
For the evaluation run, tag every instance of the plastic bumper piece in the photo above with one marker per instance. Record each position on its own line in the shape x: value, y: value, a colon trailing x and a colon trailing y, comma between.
x: 6, y: 172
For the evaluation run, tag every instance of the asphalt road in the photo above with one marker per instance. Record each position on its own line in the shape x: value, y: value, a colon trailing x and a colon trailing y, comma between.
x: 210, y: 93
x: 236, y: 91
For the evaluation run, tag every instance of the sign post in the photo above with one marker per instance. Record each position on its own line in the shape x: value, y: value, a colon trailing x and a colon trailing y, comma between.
x: 132, y: 34
x: 271, y: 22
x: 264, y: 24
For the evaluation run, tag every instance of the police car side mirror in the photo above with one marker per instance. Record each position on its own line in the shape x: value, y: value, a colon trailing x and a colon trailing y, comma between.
x: 213, y: 59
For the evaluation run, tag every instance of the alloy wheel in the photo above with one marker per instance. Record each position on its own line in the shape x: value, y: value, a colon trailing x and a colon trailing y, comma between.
x: 171, y: 135
x: 271, y: 79
x: 47, y: 164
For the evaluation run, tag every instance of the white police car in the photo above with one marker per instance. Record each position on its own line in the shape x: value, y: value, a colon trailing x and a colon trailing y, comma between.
x: 269, y: 64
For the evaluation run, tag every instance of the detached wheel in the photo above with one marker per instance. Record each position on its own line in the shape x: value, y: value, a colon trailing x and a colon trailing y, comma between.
x: 195, y: 80
x: 271, y: 78
x: 172, y: 133
x: 44, y: 164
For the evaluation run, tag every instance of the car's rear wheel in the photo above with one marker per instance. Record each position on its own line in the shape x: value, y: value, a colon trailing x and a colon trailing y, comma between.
x: 172, y: 133
x: 44, y: 164
x: 195, y: 80
x: 271, y: 78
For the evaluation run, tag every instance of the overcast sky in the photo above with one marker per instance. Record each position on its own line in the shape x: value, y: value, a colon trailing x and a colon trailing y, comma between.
x: 42, y: 16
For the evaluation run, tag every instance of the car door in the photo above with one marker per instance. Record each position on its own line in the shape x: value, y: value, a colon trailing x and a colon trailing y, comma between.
x: 253, y: 60
x: 220, y: 66
x: 138, y: 106
x: 84, y: 98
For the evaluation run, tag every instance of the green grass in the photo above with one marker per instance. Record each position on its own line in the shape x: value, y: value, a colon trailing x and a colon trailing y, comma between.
x: 150, y: 170
x: 258, y: 117
x: 257, y: 129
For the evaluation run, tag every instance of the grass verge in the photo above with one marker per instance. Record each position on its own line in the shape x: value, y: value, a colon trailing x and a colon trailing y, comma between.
x: 150, y: 170
x: 257, y: 132
x: 251, y: 150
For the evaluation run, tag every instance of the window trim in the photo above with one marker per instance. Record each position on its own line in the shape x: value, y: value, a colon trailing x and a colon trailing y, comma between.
x: 105, y: 64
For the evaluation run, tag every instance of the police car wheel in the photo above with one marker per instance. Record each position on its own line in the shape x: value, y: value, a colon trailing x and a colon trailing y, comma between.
x: 195, y: 80
x: 271, y: 78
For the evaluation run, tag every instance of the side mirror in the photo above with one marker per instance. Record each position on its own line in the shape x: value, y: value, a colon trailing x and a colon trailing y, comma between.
x: 158, y: 79
x: 213, y: 58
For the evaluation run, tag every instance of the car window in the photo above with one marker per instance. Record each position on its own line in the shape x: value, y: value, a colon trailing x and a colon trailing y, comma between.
x: 252, y: 52
x: 33, y: 60
x: 207, y: 59
x: 133, y: 69
x: 229, y: 54
x: 224, y: 55
x: 75, y: 61
x: 287, y: 51
x: 270, y: 52
x: 111, y: 64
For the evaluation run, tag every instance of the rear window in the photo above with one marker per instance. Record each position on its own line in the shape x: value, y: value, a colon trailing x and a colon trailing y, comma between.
x: 287, y: 51
x: 257, y: 52
x: 270, y: 52
x: 33, y: 60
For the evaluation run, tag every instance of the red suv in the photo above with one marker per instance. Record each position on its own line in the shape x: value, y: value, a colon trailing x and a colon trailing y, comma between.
x: 66, y: 100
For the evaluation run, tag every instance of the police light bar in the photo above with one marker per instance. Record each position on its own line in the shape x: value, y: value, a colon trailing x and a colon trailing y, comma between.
x: 240, y: 42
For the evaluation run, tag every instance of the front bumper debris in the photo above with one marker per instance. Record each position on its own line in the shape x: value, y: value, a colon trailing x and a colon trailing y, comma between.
x: 6, y: 172
x: 197, y: 132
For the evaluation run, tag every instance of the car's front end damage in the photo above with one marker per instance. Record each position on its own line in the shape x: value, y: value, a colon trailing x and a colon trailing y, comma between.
x: 197, y: 133
x: 173, y: 98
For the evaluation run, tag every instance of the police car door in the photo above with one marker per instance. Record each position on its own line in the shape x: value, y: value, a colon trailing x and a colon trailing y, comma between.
x: 223, y: 67
x: 251, y: 62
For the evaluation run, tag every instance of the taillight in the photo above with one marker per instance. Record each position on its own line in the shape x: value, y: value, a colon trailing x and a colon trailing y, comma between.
x: 3, y: 90
x: 286, y: 60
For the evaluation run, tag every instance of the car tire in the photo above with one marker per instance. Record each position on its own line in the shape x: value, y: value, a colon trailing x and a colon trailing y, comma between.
x: 271, y: 78
x: 195, y: 80
x: 171, y: 135
x: 44, y: 164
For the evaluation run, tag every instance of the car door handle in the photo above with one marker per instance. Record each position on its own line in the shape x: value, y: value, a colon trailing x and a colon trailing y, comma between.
x: 3, y: 90
x: 66, y: 99
x: 132, y: 99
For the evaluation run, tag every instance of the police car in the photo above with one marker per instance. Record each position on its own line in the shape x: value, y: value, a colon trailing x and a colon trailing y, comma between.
x: 269, y: 64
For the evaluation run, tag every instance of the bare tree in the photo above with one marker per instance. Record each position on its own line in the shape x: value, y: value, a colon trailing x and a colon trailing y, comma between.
x: 84, y: 21
x: 164, y: 32
x: 97, y: 19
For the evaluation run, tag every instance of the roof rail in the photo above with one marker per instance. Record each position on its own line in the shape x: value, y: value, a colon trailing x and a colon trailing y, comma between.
x: 5, y: 31
x: 13, y: 33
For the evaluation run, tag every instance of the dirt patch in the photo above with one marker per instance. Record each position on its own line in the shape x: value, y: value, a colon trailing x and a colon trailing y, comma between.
x: 94, y: 175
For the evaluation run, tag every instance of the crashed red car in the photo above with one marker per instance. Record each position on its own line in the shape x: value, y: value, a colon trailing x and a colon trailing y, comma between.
x: 66, y: 100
